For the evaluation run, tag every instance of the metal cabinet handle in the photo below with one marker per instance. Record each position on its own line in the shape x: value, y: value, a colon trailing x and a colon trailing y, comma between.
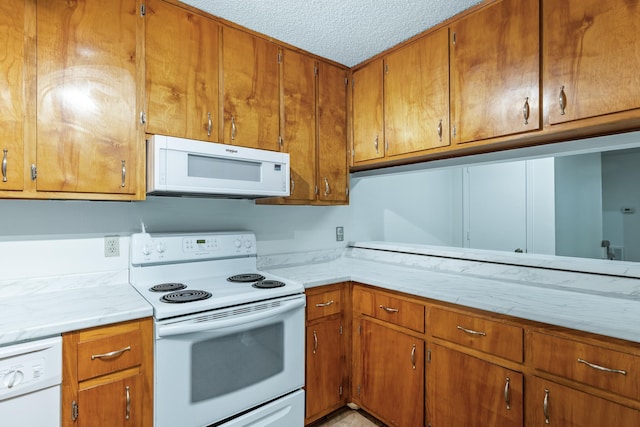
x: 376, y: 144
x: 602, y: 368
x: 389, y: 309
x: 315, y: 342
x: 234, y: 129
x: 4, y: 165
x: 127, y: 413
x: 209, y: 123
x: 325, y: 304
x: 440, y: 130
x: 545, y: 406
x: 562, y: 100
x: 110, y: 354
x: 293, y: 186
x: 507, y: 393
x: 526, y: 111
x: 413, y: 356
x: 34, y: 172
x: 124, y: 173
x: 327, y: 187
x: 471, y: 331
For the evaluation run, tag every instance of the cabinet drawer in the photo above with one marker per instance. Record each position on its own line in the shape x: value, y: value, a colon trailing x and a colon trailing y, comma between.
x: 389, y: 308
x: 600, y: 367
x: 324, y: 304
x: 481, y: 334
x: 109, y: 354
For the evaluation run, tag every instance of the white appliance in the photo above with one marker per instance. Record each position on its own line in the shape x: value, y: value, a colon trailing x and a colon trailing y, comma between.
x: 30, y: 378
x: 229, y: 339
x: 178, y: 166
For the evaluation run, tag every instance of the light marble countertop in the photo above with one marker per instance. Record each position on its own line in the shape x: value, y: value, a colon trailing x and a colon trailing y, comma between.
x: 48, y: 306
x: 599, y: 303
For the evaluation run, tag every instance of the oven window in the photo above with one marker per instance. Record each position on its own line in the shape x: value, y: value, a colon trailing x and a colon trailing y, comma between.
x: 226, y: 364
x: 217, y: 168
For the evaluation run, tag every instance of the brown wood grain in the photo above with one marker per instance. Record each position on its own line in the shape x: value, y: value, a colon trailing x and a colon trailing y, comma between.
x: 181, y: 72
x: 494, y: 68
x: 251, y: 90
x: 368, y: 124
x: 592, y: 49
x: 86, y: 97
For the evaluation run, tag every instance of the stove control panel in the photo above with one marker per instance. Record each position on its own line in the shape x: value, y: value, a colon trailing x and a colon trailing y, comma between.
x: 168, y: 248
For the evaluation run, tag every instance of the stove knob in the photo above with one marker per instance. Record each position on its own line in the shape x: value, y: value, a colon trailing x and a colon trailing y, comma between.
x: 146, y: 250
x: 248, y: 244
x: 161, y: 247
x: 238, y: 243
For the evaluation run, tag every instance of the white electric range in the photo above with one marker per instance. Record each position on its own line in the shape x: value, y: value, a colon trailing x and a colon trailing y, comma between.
x: 229, y: 338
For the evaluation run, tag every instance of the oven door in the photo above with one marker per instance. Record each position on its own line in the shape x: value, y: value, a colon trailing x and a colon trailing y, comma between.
x: 212, y: 366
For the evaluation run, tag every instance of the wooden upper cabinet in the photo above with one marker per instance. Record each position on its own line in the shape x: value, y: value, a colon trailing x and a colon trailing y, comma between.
x: 416, y: 95
x: 87, y: 120
x: 332, y: 171
x: 251, y: 91
x: 181, y: 72
x: 495, y: 57
x: 591, y: 58
x: 368, y: 125
x: 12, y: 102
x: 299, y: 122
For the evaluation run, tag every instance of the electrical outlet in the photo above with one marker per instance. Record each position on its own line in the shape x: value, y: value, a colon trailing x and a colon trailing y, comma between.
x: 339, y: 234
x: 111, y: 246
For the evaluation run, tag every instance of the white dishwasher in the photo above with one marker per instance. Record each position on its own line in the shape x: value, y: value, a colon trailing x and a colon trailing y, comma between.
x: 30, y: 377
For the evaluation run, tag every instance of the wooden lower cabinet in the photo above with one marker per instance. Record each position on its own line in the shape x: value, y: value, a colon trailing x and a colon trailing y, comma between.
x: 390, y: 375
x: 464, y: 390
x: 552, y: 404
x: 107, y: 376
x: 326, y: 379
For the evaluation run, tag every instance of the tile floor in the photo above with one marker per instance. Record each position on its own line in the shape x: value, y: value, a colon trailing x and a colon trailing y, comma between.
x: 348, y: 418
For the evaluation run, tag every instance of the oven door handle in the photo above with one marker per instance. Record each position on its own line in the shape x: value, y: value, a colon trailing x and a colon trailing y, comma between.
x: 215, y: 325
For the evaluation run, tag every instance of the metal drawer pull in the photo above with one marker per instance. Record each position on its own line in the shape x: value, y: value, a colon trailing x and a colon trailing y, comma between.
x: 110, y: 354
x: 324, y: 304
x: 315, y: 342
x: 376, y: 144
x: 471, y: 331
x: 4, y: 165
x: 389, y: 309
x: 440, y: 130
x: 602, y: 368
x: 545, y: 406
x: 413, y: 356
x: 209, y: 123
x: 293, y: 186
x: 128, y: 400
x: 507, y: 393
x: 327, y: 187
x: 233, y: 128
x: 526, y: 111
x: 562, y: 100
x: 124, y: 173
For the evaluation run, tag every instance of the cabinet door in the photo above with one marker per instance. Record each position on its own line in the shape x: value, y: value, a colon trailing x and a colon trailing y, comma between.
x: 332, y: 134
x: 87, y: 139
x: 181, y: 72
x: 551, y: 404
x: 416, y: 95
x: 251, y: 91
x: 114, y: 404
x: 368, y: 132
x: 12, y: 101
x: 300, y: 122
x: 323, y: 385
x: 392, y: 375
x: 466, y: 391
x: 591, y: 57
x: 495, y: 71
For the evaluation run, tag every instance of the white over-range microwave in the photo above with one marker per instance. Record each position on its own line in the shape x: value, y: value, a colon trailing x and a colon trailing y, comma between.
x: 178, y: 166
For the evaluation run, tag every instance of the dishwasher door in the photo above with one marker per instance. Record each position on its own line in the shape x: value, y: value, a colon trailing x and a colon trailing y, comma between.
x: 30, y: 377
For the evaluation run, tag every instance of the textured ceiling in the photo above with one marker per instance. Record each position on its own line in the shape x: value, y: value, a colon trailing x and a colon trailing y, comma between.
x: 346, y: 31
